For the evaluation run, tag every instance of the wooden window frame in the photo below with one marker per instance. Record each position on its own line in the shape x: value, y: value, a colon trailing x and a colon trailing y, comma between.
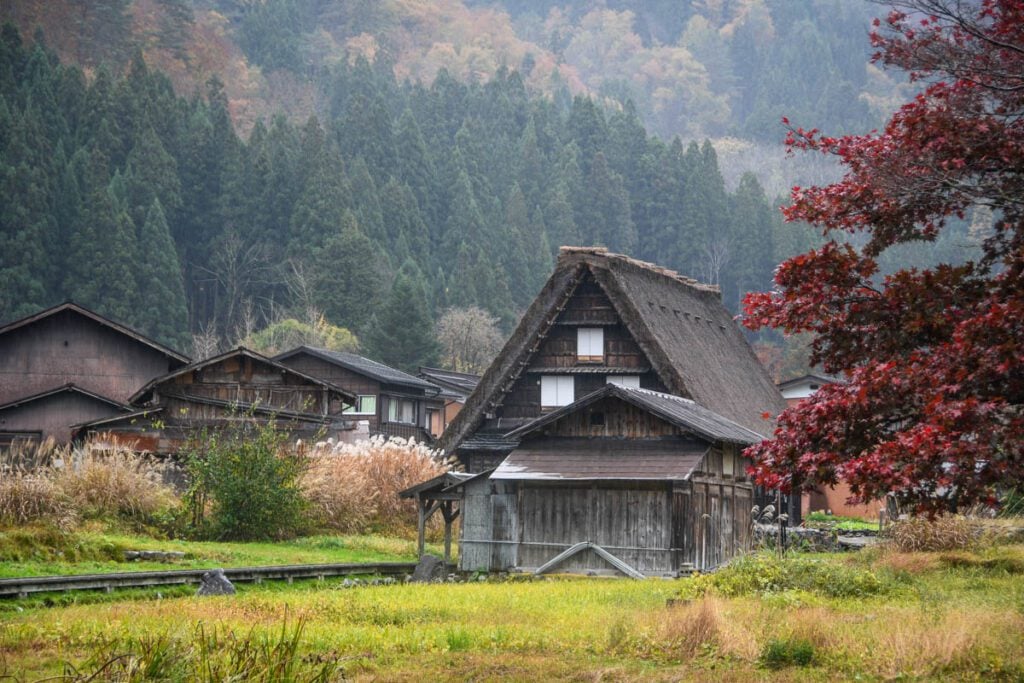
x: 559, y: 384
x: 585, y: 345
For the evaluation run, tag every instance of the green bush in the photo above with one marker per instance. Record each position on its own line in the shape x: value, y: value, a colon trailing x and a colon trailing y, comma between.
x: 782, y: 652
x: 245, y: 484
x: 766, y: 573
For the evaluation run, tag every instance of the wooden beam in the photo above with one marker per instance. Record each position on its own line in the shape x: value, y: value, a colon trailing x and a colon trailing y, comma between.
x: 583, y: 545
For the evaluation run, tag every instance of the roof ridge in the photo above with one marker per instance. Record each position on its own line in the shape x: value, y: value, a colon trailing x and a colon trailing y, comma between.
x: 603, y: 252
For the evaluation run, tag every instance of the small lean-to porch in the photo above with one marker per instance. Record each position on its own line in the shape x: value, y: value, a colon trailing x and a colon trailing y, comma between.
x: 441, y: 494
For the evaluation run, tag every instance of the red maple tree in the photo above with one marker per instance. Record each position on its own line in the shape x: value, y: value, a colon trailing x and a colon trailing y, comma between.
x: 931, y: 408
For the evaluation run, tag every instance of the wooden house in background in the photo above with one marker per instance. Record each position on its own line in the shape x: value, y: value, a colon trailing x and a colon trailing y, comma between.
x: 394, y: 403
x: 828, y: 499
x: 797, y: 389
x: 237, y: 386
x: 67, y: 365
x: 455, y: 389
x: 606, y: 433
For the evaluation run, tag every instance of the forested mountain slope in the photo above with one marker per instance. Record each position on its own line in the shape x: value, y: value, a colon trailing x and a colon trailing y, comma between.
x: 209, y: 166
x: 465, y: 190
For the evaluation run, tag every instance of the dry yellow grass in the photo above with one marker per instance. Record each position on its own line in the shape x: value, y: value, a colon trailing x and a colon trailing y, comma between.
x: 354, y: 487
x: 63, y: 485
x: 687, y: 628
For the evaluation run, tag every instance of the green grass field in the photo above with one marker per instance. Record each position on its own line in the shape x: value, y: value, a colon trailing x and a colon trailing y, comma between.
x: 872, y: 616
x: 40, y: 551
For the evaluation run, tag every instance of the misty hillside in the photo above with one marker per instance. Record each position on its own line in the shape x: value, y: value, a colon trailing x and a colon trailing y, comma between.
x: 211, y: 167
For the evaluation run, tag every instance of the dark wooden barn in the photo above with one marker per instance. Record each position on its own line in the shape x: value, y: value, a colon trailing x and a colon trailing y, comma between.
x: 623, y: 480
x: 237, y: 386
x: 662, y: 389
x: 394, y: 403
x: 66, y: 365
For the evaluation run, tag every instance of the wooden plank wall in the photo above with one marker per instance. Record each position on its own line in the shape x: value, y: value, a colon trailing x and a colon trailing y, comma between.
x: 632, y: 522
x: 488, y: 513
x: 718, y: 522
x: 69, y: 348
x: 620, y: 419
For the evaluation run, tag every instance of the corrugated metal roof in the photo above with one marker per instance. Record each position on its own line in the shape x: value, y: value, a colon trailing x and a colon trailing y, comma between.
x: 364, y: 366
x: 555, y: 459
x: 686, y: 413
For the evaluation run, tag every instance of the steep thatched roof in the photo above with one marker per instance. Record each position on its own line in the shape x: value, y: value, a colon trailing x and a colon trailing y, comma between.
x: 691, y: 340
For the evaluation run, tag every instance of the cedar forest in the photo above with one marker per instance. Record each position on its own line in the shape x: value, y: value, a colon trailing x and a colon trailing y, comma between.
x: 397, y: 180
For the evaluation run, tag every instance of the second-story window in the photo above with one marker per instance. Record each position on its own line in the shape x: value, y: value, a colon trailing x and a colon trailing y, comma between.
x: 590, y: 344
x: 556, y: 391
x: 630, y: 381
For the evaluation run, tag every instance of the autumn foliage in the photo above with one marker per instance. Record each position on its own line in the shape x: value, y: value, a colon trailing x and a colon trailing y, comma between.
x: 932, y: 406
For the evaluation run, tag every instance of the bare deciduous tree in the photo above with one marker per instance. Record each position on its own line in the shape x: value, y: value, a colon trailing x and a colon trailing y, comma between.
x: 716, y: 258
x: 469, y: 339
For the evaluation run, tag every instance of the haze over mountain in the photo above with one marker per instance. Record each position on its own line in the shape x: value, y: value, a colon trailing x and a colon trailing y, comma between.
x: 213, y: 165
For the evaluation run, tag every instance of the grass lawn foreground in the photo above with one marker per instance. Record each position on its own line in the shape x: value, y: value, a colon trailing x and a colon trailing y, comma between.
x: 876, y: 615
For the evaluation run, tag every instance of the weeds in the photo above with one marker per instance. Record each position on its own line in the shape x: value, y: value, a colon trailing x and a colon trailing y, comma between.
x: 762, y: 573
x: 209, y: 656
x: 688, y: 629
x: 779, y: 653
x: 923, y: 534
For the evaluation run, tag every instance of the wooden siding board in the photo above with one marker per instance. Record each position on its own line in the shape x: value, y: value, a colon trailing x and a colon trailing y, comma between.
x: 69, y: 348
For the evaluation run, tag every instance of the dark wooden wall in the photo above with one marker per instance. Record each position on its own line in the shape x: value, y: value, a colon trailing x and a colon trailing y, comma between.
x: 69, y: 348
x: 53, y: 416
x: 619, y: 418
x: 241, y: 379
x: 588, y: 307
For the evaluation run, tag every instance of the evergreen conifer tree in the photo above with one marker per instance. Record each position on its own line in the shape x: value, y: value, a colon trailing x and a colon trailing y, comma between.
x: 160, y: 309
x: 344, y: 275
x: 402, y: 331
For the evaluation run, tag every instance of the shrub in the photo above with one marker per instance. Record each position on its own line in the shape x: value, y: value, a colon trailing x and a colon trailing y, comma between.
x: 782, y: 652
x: 353, y: 488
x: 922, y: 534
x: 766, y: 573
x: 247, y: 479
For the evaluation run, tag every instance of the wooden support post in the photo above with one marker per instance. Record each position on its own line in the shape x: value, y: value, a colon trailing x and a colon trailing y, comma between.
x: 421, y: 526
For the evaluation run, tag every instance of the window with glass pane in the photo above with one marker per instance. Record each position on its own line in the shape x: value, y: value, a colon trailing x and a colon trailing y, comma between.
x: 631, y: 381
x: 365, y: 405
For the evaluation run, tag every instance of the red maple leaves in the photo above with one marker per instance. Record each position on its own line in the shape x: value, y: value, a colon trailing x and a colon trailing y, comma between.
x: 932, y: 407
